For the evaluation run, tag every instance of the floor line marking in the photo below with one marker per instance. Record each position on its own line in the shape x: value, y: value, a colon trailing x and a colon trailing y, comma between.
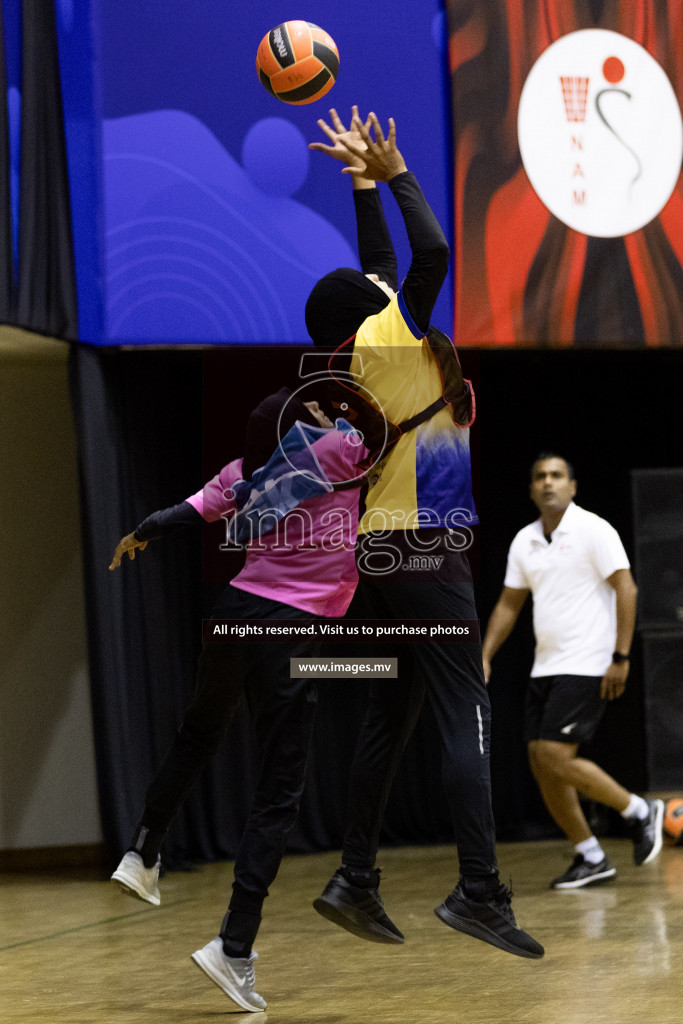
x: 93, y: 924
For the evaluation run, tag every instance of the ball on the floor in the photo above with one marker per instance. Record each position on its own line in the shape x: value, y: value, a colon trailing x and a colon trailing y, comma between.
x: 672, y: 826
x: 297, y: 62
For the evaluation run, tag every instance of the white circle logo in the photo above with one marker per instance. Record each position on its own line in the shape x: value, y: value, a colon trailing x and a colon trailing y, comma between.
x: 600, y: 133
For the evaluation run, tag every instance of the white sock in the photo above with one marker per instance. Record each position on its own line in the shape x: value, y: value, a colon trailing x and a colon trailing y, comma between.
x: 637, y: 808
x: 590, y: 850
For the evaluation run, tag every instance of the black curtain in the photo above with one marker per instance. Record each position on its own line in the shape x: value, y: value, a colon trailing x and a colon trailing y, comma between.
x: 6, y: 271
x: 47, y: 286
x: 139, y: 428
x: 154, y: 425
x: 43, y: 298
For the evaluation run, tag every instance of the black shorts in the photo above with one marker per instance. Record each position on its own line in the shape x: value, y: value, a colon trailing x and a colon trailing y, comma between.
x: 565, y: 709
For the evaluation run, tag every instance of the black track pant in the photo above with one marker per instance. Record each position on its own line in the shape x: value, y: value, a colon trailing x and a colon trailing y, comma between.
x: 282, y: 711
x: 451, y: 676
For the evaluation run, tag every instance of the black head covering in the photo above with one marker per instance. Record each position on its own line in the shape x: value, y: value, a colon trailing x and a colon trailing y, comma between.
x: 338, y: 305
x: 268, y: 424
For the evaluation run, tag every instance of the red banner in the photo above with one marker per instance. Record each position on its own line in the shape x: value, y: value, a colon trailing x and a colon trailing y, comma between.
x: 568, y: 141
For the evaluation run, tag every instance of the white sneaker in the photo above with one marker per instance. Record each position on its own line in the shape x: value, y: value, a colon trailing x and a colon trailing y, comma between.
x: 233, y: 974
x: 134, y: 878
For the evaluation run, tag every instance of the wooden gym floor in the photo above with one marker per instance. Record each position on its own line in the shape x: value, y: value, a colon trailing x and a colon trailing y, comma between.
x: 75, y: 950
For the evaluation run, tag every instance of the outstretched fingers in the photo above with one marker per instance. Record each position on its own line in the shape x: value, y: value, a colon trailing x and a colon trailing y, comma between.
x: 127, y: 544
x: 336, y: 121
x: 330, y: 132
x: 363, y: 129
x: 339, y: 136
x: 379, y: 134
x: 379, y: 140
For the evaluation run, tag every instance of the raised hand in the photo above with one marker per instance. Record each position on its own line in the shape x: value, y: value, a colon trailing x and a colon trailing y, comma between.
x: 339, y: 136
x: 380, y: 155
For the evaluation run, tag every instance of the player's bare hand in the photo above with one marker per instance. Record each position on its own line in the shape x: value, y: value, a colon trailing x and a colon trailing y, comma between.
x: 487, y: 670
x: 614, y: 681
x: 127, y: 544
x: 383, y: 160
x: 339, y: 137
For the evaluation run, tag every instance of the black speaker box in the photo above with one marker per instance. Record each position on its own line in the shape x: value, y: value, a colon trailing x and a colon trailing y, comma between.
x: 663, y: 688
x: 658, y: 535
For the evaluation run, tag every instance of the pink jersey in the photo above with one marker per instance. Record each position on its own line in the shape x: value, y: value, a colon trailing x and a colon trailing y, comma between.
x: 308, y: 561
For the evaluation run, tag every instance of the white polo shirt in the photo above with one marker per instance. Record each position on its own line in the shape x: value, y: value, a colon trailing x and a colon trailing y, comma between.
x: 575, y: 619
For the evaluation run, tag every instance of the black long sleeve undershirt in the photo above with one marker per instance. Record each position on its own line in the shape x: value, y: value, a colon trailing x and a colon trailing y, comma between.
x: 375, y: 248
x: 166, y: 520
x: 428, y: 244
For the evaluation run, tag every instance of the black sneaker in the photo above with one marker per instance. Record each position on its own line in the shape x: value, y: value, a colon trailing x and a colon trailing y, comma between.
x: 580, y: 873
x: 490, y: 920
x: 359, y: 911
x: 647, y: 834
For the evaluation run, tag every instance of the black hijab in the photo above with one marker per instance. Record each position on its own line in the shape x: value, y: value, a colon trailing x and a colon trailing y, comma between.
x: 268, y: 424
x: 338, y: 305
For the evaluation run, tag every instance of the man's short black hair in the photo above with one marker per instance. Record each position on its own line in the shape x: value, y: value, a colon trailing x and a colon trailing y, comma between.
x: 553, y: 455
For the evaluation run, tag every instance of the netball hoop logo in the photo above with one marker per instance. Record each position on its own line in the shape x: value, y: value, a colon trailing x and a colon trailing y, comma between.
x: 600, y: 133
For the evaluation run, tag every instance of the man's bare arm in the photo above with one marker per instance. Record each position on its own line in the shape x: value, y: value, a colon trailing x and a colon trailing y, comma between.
x: 503, y: 618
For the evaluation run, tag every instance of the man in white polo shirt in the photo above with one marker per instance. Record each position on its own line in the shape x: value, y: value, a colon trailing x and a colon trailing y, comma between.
x: 574, y: 565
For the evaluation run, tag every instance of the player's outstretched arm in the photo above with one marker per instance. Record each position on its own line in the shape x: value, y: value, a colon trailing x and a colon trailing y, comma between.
x: 428, y: 244
x: 375, y: 248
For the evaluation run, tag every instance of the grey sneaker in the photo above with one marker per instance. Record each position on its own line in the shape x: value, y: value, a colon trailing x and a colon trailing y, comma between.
x: 134, y: 878
x: 235, y: 975
x: 581, y: 873
x: 647, y: 834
